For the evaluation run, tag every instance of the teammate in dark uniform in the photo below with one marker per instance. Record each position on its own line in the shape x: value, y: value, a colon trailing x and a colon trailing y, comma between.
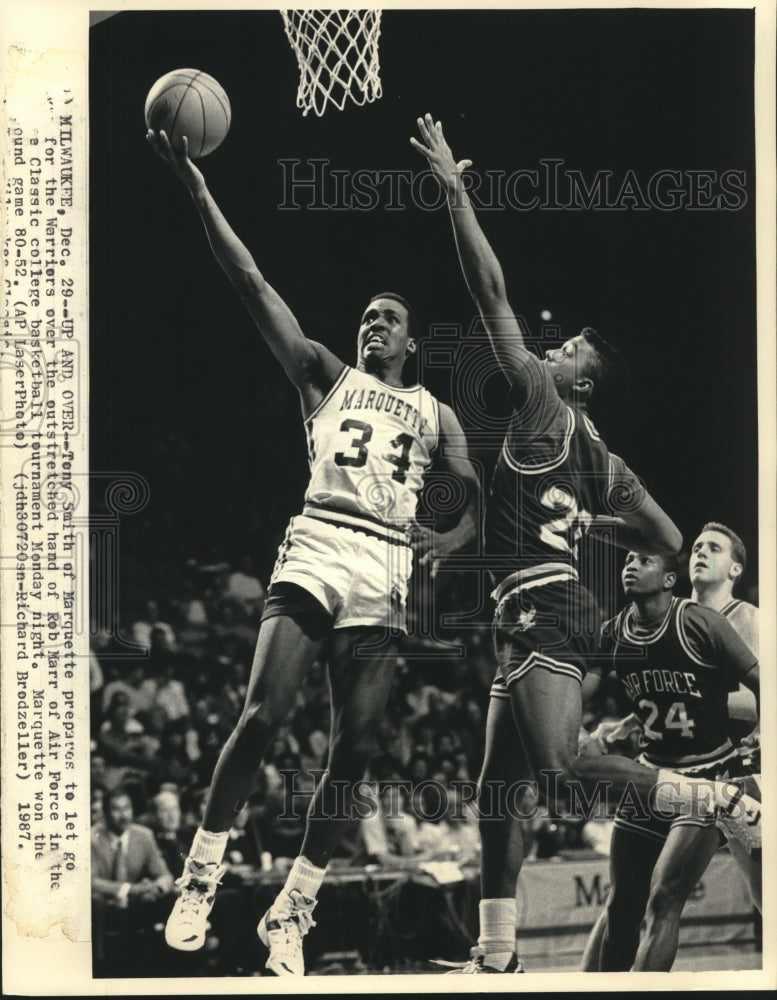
x: 676, y: 662
x: 554, y: 480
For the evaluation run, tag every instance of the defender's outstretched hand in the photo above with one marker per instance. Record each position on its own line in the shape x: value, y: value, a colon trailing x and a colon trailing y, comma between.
x: 438, y: 152
x: 177, y: 159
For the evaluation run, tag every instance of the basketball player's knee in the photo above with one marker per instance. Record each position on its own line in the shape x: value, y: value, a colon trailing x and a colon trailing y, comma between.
x: 560, y: 772
x: 256, y: 724
x: 666, y: 900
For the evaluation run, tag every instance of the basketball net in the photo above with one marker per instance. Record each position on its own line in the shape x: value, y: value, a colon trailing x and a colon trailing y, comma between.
x: 337, y: 54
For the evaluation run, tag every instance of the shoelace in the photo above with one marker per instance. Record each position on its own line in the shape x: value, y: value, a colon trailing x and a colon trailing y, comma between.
x: 193, y: 890
x: 473, y: 963
x: 305, y: 919
x: 300, y: 915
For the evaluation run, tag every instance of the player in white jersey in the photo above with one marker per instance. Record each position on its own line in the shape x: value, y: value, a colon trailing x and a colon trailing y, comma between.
x: 341, y: 575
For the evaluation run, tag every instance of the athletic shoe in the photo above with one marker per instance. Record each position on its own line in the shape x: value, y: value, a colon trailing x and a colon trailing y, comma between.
x: 477, y: 965
x: 282, y: 929
x: 188, y: 922
x: 741, y: 820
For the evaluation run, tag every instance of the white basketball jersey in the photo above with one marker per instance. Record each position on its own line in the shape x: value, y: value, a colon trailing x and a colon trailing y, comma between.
x: 369, y: 445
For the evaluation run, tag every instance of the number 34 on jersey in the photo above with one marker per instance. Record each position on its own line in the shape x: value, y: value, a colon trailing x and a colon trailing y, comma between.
x: 369, y: 445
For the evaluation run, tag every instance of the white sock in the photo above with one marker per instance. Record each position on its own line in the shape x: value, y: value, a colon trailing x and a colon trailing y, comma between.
x: 208, y: 848
x: 306, y: 877
x: 497, y: 930
x: 684, y: 796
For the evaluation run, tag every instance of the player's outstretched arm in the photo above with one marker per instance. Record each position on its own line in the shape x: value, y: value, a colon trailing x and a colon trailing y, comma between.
x: 480, y: 266
x: 634, y: 519
x: 302, y: 359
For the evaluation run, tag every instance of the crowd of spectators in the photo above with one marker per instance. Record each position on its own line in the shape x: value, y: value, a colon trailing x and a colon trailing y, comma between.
x: 168, y: 687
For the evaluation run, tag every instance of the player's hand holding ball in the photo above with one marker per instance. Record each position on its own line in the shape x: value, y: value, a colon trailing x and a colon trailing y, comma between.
x: 188, y: 115
x: 176, y: 158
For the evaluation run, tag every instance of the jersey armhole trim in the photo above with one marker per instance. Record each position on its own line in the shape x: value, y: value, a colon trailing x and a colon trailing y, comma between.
x: 553, y: 463
x: 327, y: 397
x: 682, y: 635
x: 436, y: 404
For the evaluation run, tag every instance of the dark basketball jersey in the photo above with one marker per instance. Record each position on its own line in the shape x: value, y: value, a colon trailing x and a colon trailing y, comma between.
x: 553, y: 476
x: 677, y: 676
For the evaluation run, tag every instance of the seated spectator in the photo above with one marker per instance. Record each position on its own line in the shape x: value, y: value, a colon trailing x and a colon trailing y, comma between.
x: 444, y: 743
x: 445, y: 769
x: 166, y: 823
x: 170, y: 693
x: 133, y: 683
x: 172, y: 764
x: 140, y: 630
x: 127, y: 868
x: 286, y: 804
x: 419, y: 767
x: 315, y: 749
x: 131, y: 888
x: 189, y: 609
x: 96, y: 798
x: 229, y: 619
x: 231, y: 697
x: 123, y: 741
x: 419, y: 698
x: 389, y: 832
x: 244, y: 843
x: 462, y: 829
x: 430, y: 806
x: 423, y: 736
x: 98, y: 771
x: 596, y: 835
x: 244, y: 587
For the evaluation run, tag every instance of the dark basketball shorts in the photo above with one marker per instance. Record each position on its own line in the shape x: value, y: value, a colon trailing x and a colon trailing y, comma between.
x: 548, y: 622
x: 294, y: 601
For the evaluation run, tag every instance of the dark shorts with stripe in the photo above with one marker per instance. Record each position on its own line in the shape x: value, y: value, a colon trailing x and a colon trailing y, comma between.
x: 632, y: 818
x: 551, y: 626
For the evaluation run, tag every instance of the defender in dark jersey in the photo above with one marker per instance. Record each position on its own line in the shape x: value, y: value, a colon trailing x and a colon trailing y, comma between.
x: 555, y: 480
x: 676, y: 662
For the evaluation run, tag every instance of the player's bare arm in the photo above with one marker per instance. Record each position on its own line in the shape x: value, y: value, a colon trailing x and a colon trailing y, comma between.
x: 747, y: 675
x: 638, y: 522
x: 310, y: 366
x: 649, y: 530
x: 480, y: 266
x: 452, y: 457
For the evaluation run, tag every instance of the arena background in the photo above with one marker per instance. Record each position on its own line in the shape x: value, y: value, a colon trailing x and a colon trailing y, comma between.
x: 183, y: 391
x: 174, y: 354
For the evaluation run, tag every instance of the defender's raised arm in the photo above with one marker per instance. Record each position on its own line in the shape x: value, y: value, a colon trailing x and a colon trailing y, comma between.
x: 480, y: 266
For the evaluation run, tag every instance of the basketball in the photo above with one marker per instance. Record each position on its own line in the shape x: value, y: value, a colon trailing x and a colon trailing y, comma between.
x: 188, y: 102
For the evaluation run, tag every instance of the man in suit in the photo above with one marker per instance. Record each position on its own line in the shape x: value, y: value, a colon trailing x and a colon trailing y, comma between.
x: 127, y: 867
x: 130, y: 886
